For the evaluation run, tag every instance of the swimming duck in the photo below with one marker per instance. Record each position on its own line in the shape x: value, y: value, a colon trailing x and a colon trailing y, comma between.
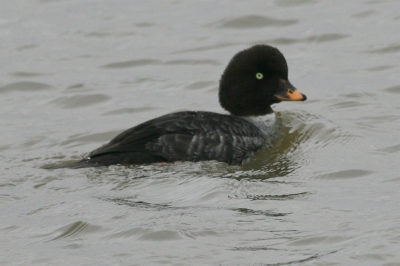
x: 254, y: 79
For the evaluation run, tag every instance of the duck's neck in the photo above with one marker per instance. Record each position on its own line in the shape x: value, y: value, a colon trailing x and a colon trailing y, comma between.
x: 264, y: 122
x: 252, y: 111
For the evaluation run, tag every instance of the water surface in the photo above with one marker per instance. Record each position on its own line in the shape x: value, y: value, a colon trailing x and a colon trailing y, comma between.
x: 76, y: 73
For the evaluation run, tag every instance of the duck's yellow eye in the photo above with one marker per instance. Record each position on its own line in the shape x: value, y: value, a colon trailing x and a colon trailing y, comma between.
x: 259, y: 75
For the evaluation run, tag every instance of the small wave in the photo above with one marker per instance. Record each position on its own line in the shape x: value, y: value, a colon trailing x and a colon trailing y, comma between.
x: 79, y: 101
x: 393, y: 48
x: 394, y: 89
x: 302, y: 135
x: 351, y: 173
x: 25, y: 86
x: 254, y: 21
x: 132, y: 63
x: 75, y: 230
x: 329, y: 37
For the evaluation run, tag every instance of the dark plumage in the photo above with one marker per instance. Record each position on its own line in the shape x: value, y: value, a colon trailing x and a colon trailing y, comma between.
x: 241, y: 93
x: 254, y: 79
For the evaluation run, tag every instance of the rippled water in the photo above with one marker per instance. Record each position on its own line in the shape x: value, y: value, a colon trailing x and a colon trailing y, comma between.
x: 76, y: 73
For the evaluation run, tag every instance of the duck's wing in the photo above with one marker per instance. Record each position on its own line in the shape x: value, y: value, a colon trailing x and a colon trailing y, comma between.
x: 190, y: 136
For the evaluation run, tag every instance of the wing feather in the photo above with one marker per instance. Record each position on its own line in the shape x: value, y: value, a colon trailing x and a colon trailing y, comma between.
x: 192, y: 136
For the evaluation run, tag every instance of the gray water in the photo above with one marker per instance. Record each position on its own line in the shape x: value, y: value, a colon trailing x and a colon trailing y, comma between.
x: 75, y: 73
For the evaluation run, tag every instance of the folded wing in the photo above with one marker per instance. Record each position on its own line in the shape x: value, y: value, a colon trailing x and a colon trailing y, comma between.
x: 190, y: 136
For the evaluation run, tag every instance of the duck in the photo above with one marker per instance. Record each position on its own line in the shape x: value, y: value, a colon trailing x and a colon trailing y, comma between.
x: 254, y: 79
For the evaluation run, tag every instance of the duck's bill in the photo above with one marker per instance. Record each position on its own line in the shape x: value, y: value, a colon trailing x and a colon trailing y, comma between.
x: 288, y: 92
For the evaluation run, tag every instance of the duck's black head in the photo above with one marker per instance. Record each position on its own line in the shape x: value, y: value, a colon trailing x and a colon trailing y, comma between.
x: 254, y: 79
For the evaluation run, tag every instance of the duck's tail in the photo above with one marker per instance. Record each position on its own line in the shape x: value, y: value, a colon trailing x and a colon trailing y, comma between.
x: 75, y: 165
